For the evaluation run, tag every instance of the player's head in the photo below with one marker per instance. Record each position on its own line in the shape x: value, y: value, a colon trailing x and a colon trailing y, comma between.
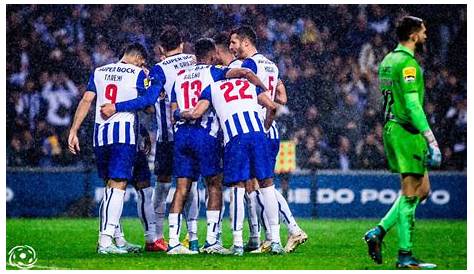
x: 136, y: 54
x: 171, y: 39
x: 411, y: 29
x: 205, y: 51
x: 223, y: 54
x: 243, y: 40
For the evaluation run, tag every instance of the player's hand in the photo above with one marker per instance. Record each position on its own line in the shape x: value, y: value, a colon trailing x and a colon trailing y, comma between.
x: 433, y: 158
x: 147, y: 144
x: 73, y: 143
x: 107, y: 110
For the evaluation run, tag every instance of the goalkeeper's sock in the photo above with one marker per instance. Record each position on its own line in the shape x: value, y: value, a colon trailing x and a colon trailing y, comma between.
x: 286, y: 214
x: 113, y: 210
x: 251, y: 199
x: 391, y: 218
x: 238, y: 215
x: 174, y: 220
x: 191, y: 211
x: 271, y: 211
x: 146, y: 213
x: 119, y: 236
x: 159, y: 204
x: 406, y: 221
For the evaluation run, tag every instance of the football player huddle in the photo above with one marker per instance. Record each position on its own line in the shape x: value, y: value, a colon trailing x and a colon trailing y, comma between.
x: 215, y: 113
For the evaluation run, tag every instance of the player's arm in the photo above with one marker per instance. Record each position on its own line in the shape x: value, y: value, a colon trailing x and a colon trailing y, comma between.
x: 280, y: 95
x: 409, y: 79
x: 79, y: 116
x: 148, y: 98
x: 247, y: 74
x: 266, y: 102
x: 200, y: 108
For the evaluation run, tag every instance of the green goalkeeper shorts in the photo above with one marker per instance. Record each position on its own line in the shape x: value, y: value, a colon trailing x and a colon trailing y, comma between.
x: 406, y: 152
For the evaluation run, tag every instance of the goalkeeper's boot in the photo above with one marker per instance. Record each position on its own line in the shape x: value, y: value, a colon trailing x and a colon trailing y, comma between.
x: 277, y: 249
x: 215, y: 248
x: 374, y: 238
x: 252, y: 244
x: 265, y: 247
x: 130, y: 248
x: 407, y: 261
x: 181, y: 250
x: 294, y: 240
x: 157, y: 245
x: 194, y: 245
x: 111, y: 249
x: 237, y: 250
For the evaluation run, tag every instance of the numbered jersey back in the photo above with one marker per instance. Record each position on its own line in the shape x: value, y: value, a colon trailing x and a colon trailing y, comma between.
x: 115, y: 83
x: 236, y: 105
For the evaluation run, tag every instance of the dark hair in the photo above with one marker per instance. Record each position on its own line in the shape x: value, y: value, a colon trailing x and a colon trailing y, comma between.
x: 203, y: 46
x: 407, y: 26
x: 170, y: 38
x: 245, y: 31
x: 222, y: 39
x: 136, y: 48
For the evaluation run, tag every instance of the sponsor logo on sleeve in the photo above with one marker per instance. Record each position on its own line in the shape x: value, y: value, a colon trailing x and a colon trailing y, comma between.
x: 409, y: 74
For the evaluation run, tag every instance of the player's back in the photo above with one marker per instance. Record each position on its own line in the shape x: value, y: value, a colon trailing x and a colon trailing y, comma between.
x: 113, y: 83
x: 266, y: 71
x: 399, y: 73
x: 236, y: 104
x: 166, y: 71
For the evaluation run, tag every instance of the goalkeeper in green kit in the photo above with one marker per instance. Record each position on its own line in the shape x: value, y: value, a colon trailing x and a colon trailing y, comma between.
x: 410, y: 146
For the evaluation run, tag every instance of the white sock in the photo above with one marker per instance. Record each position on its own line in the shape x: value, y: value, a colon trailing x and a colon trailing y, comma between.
x: 146, y: 213
x: 119, y: 236
x: 262, y: 216
x: 212, y: 225
x: 286, y: 214
x: 271, y: 210
x: 174, y: 220
x: 159, y: 203
x: 191, y: 211
x: 238, y: 215
x: 112, y: 210
x: 221, y: 216
x: 251, y: 199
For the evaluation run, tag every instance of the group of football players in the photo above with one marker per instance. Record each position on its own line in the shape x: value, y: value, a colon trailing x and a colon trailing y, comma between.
x: 215, y: 114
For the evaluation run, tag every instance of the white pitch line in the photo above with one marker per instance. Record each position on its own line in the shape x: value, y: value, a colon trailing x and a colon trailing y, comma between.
x: 45, y: 267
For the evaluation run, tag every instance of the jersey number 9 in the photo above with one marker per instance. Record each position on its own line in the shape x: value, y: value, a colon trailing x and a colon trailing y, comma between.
x: 111, y: 93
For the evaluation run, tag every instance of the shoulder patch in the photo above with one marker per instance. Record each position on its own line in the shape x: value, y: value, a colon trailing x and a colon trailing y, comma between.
x: 409, y: 74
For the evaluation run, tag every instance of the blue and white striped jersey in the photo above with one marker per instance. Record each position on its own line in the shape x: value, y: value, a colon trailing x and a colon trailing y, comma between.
x: 267, y: 72
x: 236, y: 63
x: 162, y: 77
x: 187, y: 90
x: 113, y: 83
x: 236, y: 104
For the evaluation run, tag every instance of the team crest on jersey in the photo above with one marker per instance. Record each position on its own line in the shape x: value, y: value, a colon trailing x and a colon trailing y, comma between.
x: 146, y: 82
x: 409, y: 74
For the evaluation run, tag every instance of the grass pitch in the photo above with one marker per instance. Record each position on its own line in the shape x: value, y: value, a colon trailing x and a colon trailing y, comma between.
x: 333, y: 244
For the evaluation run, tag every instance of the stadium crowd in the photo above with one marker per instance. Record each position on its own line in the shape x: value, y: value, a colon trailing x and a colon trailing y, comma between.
x: 327, y: 56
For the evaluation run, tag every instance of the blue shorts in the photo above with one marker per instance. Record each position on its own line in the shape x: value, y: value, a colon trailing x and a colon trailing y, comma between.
x: 141, y: 170
x: 245, y: 157
x: 115, y: 161
x: 196, y: 153
x: 164, y: 158
x: 273, y: 148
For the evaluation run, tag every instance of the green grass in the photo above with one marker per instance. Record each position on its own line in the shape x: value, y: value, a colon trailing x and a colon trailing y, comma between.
x: 332, y: 244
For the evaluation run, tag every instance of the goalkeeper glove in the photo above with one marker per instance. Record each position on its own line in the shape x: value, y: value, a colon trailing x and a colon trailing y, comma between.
x: 434, y: 154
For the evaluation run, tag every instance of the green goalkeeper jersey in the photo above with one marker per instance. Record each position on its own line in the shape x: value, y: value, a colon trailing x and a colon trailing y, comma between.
x: 402, y: 85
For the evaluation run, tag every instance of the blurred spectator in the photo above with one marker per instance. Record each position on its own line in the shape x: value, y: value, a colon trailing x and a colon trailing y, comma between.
x: 60, y: 94
x: 29, y: 104
x: 370, y: 153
